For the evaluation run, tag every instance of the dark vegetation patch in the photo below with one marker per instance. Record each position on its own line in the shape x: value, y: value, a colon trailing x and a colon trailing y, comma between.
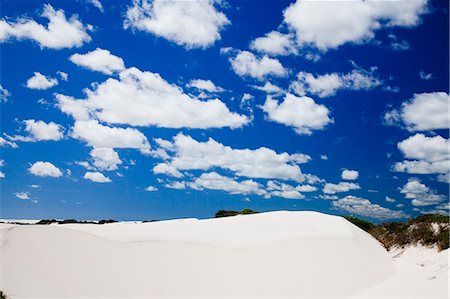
x: 72, y: 221
x: 225, y: 213
x: 3, y: 295
x: 426, y: 230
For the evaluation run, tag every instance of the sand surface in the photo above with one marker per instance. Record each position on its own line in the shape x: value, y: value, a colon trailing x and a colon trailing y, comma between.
x: 271, y: 255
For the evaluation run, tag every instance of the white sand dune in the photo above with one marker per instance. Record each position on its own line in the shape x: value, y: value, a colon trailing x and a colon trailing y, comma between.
x: 271, y: 255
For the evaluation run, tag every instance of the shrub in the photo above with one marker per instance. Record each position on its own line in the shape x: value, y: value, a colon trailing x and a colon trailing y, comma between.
x: 225, y: 213
x: 3, y: 295
x: 362, y: 224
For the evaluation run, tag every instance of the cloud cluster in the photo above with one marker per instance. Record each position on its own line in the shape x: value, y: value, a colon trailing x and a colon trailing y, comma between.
x: 99, y: 60
x: 246, y: 64
x: 426, y: 155
x: 40, y: 131
x: 364, y: 207
x: 206, y: 85
x: 59, y: 33
x: 415, y: 113
x: 275, y: 43
x: 349, y: 175
x: 301, y: 113
x: 328, y: 84
x: 140, y: 98
x: 330, y: 188
x: 420, y: 194
x: 4, y: 94
x: 45, y: 169
x: 185, y: 153
x: 41, y: 82
x: 105, y: 158
x: 193, y: 24
x: 96, y: 177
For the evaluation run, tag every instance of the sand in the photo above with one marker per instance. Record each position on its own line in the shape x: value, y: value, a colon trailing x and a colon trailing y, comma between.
x: 276, y: 254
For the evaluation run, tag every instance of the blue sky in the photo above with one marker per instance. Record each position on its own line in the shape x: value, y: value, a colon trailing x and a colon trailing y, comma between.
x: 141, y: 110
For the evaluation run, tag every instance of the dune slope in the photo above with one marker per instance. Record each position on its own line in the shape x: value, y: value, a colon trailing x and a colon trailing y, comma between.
x: 277, y: 254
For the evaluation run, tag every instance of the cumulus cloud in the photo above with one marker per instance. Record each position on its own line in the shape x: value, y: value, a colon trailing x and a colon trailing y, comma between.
x: 41, y: 82
x: 193, y: 24
x: 151, y: 189
x: 301, y: 113
x: 427, y: 155
x: 269, y: 88
x: 215, y: 181
x: 364, y: 207
x: 145, y: 99
x: 206, y: 85
x: 59, y: 33
x: 99, y: 60
x: 246, y: 64
x: 105, y: 158
x: 188, y: 154
x: 328, y: 25
x: 4, y: 94
x: 40, y: 131
x: 328, y: 84
x: 425, y: 76
x: 349, y: 175
x: 330, y: 188
x: 415, y: 113
x: 275, y: 43
x: 22, y: 195
x: 2, y: 175
x: 420, y: 194
x: 96, y: 177
x: 167, y: 169
x: 100, y: 136
x: 45, y: 169
x: 176, y: 185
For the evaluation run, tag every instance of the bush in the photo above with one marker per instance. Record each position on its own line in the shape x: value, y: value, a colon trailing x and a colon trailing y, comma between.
x: 362, y: 224
x: 3, y: 295
x: 225, y: 213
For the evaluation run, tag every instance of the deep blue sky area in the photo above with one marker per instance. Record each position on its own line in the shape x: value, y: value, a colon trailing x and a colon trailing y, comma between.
x: 398, y: 68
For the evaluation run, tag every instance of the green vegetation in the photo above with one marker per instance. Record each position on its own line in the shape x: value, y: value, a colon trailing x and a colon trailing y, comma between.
x: 427, y: 230
x: 3, y: 295
x: 362, y: 224
x: 224, y: 213
x: 72, y: 221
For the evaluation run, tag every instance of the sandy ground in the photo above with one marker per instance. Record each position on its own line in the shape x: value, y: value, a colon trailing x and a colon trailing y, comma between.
x: 271, y: 255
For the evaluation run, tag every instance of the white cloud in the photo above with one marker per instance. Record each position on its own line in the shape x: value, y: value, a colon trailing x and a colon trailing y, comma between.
x: 35, y: 186
x: 364, y: 207
x: 99, y: 60
x: 420, y: 194
x: 85, y: 165
x: 2, y: 163
x: 323, y: 157
x: 100, y: 136
x: 22, y: 195
x: 302, y: 113
x: 45, y: 169
x: 247, y: 64
x: 349, y: 175
x: 167, y: 169
x: 275, y: 43
x: 328, y: 84
x: 4, y: 94
x: 96, y: 177
x: 215, y: 181
x: 444, y: 178
x: 59, y: 32
x: 415, y: 113
x: 40, y: 131
x: 105, y: 158
x: 189, y: 154
x: 5, y: 143
x: 428, y: 154
x: 269, y: 88
x: 64, y: 76
x: 207, y: 85
x: 389, y: 199
x: 328, y: 25
x: 41, y: 82
x: 176, y: 185
x: 97, y: 4
x: 145, y: 99
x: 425, y: 76
x: 193, y: 24
x: 151, y: 189
x: 340, y: 187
